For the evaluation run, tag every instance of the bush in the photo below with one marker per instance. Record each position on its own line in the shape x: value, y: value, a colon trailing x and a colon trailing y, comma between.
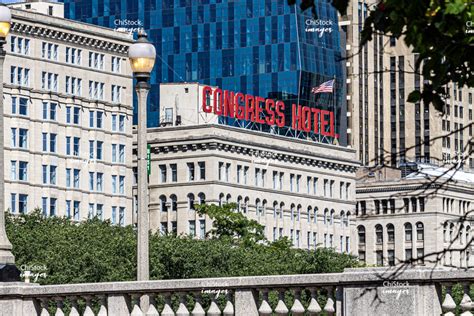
x: 96, y: 251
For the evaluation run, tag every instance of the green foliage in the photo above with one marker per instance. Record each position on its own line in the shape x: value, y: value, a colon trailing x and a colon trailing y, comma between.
x: 96, y: 251
x: 436, y: 30
x: 227, y: 223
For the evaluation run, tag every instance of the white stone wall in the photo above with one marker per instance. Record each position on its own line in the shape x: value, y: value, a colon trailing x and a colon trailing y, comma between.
x: 111, y: 44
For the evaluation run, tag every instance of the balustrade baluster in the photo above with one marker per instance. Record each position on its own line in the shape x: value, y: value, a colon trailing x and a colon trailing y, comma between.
x: 59, y: 306
x: 281, y: 309
x: 74, y: 308
x: 448, y: 305
x: 152, y: 311
x: 466, y: 302
x: 88, y: 311
x: 265, y: 308
x: 103, y: 304
x: 182, y: 309
x: 167, y: 310
x: 229, y: 307
x: 329, y: 307
x: 198, y: 310
x: 213, y: 309
x: 297, y: 309
x: 44, y: 306
x: 314, y: 308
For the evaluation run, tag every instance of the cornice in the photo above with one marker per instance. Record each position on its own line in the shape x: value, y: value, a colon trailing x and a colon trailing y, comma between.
x: 211, y: 143
x: 67, y: 37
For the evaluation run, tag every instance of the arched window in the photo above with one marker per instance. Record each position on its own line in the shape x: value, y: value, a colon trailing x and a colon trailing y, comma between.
x: 174, y: 203
x: 246, y: 205
x: 408, y: 232
x: 163, y: 206
x: 361, y: 233
x: 202, y: 198
x: 228, y: 198
x: 315, y: 218
x: 264, y: 208
x: 298, y: 210
x: 309, y: 215
x: 275, y: 209
x: 348, y: 218
x: 391, y: 233
x: 332, y: 217
x: 342, y: 215
x: 221, y: 199
x: 239, y: 204
x: 379, y: 234
x: 257, y: 207
x: 292, y: 212
x: 445, y: 231
x: 282, y: 209
x: 326, y: 216
x: 191, y: 201
x: 420, y: 231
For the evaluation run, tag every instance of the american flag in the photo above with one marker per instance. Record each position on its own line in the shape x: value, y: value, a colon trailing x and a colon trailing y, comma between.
x: 327, y: 86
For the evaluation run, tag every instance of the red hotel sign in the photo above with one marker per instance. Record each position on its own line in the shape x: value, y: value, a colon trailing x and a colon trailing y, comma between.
x: 268, y: 111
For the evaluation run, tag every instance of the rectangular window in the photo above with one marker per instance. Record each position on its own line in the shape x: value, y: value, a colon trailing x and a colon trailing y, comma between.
x: 122, y: 184
x: 91, y: 149
x: 122, y: 216
x: 52, y: 207
x: 68, y: 114
x: 114, y: 184
x: 174, y: 173
x: 99, y: 150
x: 23, y: 171
x: 162, y: 173
x: 13, y: 138
x: 13, y: 203
x: 91, y: 181
x: 76, y: 146
x: 68, y: 177
x: 76, y: 210
x: 91, y: 119
x: 202, y: 228
x: 77, y: 112
x: 114, y: 152
x: 113, y: 217
x: 192, y: 228
x: 52, y: 175
x: 13, y: 171
x: 100, y: 181
x: 202, y: 170
x: 45, y: 174
x: 114, y: 122
x: 122, y: 123
x: 76, y: 178
x: 52, y: 143
x: 190, y: 171
x: 122, y: 153
x: 23, y: 138
x: 99, y: 119
x: 23, y: 203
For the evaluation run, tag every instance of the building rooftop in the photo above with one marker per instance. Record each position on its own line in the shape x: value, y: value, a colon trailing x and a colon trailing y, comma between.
x: 431, y: 172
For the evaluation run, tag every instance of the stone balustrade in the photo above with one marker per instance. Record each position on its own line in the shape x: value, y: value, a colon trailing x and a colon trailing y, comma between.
x: 374, y: 291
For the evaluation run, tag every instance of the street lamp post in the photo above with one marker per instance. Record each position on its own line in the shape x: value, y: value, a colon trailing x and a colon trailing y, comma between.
x: 8, y: 270
x: 142, y: 56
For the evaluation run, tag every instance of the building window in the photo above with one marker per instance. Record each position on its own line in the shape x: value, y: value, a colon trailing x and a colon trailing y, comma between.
x: 192, y: 228
x: 73, y: 86
x: 116, y: 67
x: 116, y: 94
x: 379, y: 234
x: 96, y: 90
x: 191, y: 201
x: 408, y: 232
x: 23, y: 203
x: 379, y: 257
x: 174, y: 172
x: 73, y: 56
x: 49, y: 51
x: 420, y: 234
x: 391, y: 233
x: 49, y: 81
x: 162, y: 173
x: 391, y: 257
x: 190, y: 171
x: 20, y: 45
x: 122, y: 216
x: 96, y: 60
x: 202, y: 170
x: 202, y: 228
x: 99, y: 116
x: 408, y: 255
x: 77, y: 178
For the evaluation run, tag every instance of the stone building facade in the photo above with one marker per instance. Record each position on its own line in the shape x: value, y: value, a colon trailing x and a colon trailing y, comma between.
x: 382, y: 126
x: 295, y: 188
x: 68, y: 118
x: 424, y: 218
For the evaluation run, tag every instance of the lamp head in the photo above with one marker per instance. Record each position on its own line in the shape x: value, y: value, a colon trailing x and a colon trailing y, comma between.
x: 5, y: 21
x: 142, y: 55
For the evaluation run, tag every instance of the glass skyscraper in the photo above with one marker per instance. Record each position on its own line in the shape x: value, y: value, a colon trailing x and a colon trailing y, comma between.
x: 260, y: 47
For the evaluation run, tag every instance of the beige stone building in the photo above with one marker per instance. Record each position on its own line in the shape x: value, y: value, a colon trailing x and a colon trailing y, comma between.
x: 425, y: 217
x: 296, y: 188
x: 68, y: 117
x: 382, y: 125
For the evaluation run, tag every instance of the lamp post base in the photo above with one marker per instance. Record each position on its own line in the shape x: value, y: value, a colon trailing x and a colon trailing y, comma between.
x: 9, y: 273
